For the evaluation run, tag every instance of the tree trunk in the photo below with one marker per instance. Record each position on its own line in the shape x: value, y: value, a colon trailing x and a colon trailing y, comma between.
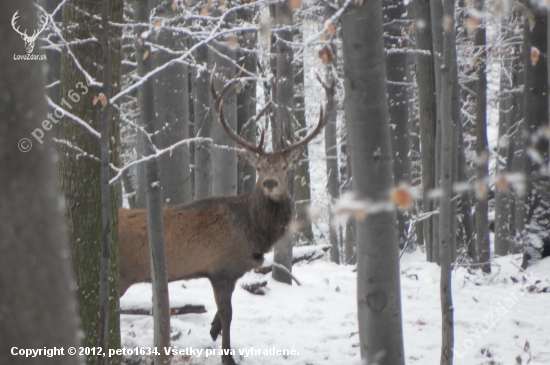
x: 345, y: 175
x: 282, y: 129
x: 246, y: 105
x: 249, y: 171
x: 396, y: 69
x: 34, y: 252
x: 518, y: 72
x: 456, y: 108
x: 436, y: 11
x: 105, y: 260
x: 482, y: 223
x: 141, y: 183
x: 202, y: 121
x: 447, y: 143
x: 436, y: 201
x: 331, y: 153
x: 537, y: 198
x: 302, y: 181
x: 155, y: 228
x: 365, y: 105
x: 80, y: 175
x: 224, y: 162
x: 465, y: 199
x: 191, y: 118
x: 425, y: 80
x: 504, y: 162
x: 172, y: 122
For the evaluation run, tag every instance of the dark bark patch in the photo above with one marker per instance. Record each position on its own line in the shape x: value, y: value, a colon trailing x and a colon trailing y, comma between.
x: 377, y: 301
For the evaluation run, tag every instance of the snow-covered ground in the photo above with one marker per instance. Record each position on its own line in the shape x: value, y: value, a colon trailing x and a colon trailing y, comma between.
x: 494, y: 315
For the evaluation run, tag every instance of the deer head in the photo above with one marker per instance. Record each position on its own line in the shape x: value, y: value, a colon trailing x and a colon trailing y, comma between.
x: 29, y: 40
x: 272, y: 167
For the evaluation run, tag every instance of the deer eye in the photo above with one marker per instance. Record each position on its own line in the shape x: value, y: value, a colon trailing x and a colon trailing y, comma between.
x: 258, y: 169
x: 284, y: 168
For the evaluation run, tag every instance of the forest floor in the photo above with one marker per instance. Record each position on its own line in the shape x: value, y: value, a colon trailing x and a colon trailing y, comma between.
x: 498, y: 317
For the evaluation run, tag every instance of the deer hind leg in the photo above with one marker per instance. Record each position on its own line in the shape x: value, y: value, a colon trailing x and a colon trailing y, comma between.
x: 223, y: 290
x: 216, y: 327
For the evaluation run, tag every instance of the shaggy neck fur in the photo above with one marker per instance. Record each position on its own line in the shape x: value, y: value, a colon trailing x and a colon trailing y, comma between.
x: 271, y: 218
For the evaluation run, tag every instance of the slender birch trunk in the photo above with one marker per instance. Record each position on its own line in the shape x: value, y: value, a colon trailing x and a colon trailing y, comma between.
x: 366, y: 109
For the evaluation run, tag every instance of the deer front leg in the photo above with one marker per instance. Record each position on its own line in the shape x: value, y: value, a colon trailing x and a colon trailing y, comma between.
x: 216, y: 327
x: 223, y: 290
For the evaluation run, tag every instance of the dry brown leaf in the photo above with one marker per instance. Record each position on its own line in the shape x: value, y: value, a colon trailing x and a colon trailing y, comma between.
x: 331, y: 29
x: 360, y: 214
x: 325, y: 55
x: 102, y: 99
x: 402, y: 198
x: 481, y: 190
x: 174, y: 6
x: 204, y: 11
x: 471, y: 25
x: 145, y: 54
x: 295, y: 4
x: 502, y: 183
x: 534, y: 55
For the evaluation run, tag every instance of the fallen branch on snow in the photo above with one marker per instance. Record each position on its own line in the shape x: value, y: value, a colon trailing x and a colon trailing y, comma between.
x: 186, y: 309
x: 304, y: 253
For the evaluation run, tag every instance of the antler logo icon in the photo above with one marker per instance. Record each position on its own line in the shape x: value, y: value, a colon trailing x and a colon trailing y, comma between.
x: 29, y: 40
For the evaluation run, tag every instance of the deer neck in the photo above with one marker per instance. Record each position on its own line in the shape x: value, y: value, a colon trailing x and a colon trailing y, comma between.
x: 270, y: 218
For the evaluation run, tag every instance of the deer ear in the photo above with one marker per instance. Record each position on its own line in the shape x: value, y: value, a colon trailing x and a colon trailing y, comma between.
x: 294, y: 156
x: 248, y: 157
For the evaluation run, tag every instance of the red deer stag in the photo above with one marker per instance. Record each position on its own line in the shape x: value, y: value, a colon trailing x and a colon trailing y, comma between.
x: 219, y: 238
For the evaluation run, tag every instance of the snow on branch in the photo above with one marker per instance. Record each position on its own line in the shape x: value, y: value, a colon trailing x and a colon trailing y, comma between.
x: 158, y: 153
x: 89, y: 79
x: 75, y: 148
x: 330, y: 21
x: 188, y: 53
x: 73, y: 117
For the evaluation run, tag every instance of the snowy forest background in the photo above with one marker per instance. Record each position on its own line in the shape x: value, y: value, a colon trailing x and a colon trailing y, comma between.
x: 430, y: 184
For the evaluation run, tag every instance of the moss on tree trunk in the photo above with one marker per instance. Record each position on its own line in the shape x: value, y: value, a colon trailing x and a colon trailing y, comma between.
x: 79, y: 174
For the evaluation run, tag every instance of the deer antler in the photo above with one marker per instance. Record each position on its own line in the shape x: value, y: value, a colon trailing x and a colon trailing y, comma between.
x: 36, y: 33
x: 218, y: 105
x: 323, y: 118
x: 13, y: 20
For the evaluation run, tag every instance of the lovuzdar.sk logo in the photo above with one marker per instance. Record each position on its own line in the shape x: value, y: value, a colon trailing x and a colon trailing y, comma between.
x: 29, y: 39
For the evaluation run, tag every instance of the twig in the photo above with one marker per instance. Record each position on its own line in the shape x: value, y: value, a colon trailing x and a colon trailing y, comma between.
x: 279, y: 266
